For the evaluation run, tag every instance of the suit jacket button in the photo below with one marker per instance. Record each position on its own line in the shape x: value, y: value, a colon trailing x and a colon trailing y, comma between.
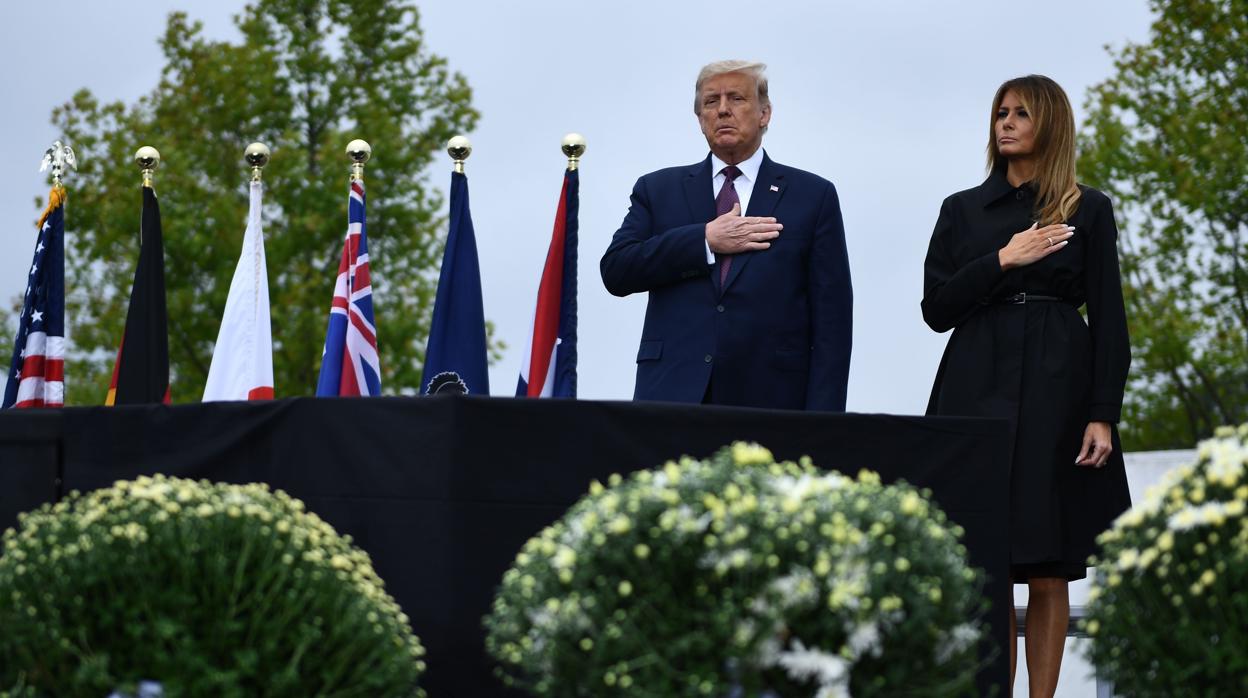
x: 707, y: 359
x: 720, y: 308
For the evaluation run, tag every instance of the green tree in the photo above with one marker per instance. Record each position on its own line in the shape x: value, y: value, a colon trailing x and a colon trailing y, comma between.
x: 307, y: 77
x: 1167, y: 138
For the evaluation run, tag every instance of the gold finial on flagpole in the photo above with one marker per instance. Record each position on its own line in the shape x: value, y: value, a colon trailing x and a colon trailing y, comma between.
x: 459, y: 148
x: 58, y: 157
x: 359, y: 151
x: 148, y: 159
x: 257, y: 155
x: 574, y: 147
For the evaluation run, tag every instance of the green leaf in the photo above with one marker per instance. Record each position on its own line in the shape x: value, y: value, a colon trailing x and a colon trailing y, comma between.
x: 1166, y: 138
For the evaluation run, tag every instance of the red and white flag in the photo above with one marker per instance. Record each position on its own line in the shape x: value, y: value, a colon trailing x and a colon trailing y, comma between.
x: 548, y: 368
x: 242, y: 361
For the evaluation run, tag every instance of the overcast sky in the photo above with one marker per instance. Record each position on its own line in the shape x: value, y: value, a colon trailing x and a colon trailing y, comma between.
x: 889, y: 100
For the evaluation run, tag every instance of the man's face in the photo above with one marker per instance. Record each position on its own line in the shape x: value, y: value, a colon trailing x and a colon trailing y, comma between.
x: 731, y: 117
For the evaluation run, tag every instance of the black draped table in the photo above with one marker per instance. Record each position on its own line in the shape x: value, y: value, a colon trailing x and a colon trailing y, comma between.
x: 443, y: 491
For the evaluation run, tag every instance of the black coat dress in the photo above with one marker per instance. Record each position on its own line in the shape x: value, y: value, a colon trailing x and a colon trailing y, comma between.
x: 1037, y: 363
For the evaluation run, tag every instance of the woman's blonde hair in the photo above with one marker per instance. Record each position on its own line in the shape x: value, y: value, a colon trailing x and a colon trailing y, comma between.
x: 1053, y: 121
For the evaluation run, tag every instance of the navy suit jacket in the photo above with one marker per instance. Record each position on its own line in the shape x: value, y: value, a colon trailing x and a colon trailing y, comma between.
x: 778, y: 334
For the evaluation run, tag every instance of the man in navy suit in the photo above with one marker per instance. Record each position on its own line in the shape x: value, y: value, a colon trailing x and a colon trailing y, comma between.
x: 753, y: 309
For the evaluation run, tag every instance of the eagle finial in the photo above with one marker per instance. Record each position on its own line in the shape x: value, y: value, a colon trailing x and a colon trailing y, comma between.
x: 58, y: 157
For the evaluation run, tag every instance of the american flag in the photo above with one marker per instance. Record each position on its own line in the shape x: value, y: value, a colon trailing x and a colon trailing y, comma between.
x: 350, y: 365
x: 37, y: 373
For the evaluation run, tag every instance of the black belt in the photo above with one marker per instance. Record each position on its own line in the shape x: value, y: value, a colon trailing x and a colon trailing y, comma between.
x: 1021, y: 298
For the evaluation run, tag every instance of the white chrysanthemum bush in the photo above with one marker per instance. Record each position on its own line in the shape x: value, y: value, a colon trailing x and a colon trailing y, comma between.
x: 738, y: 575
x: 208, y: 589
x: 1168, y: 607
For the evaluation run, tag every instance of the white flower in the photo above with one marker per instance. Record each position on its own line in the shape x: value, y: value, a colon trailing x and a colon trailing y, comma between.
x: 865, y: 639
x: 956, y: 642
x: 911, y: 504
x: 721, y: 562
x: 797, y: 489
x: 768, y: 653
x: 1135, y: 515
x: 564, y: 558
x: 1128, y: 558
x: 796, y: 589
x: 1209, y: 513
x: 831, y: 671
x: 792, y: 487
x: 1226, y: 461
x: 542, y: 617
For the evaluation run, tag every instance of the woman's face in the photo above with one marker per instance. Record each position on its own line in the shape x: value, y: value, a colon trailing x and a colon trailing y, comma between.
x: 1014, y: 129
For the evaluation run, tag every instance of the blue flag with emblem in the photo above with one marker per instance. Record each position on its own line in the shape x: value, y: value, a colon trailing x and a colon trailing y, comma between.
x: 455, y: 358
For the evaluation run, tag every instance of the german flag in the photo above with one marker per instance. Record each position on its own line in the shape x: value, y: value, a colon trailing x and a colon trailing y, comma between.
x: 141, y: 374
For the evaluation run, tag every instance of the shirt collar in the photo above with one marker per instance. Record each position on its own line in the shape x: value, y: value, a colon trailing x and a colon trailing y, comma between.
x: 997, y: 186
x: 749, y: 167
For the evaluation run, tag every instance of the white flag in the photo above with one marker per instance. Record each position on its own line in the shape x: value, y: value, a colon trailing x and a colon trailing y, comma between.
x: 242, y: 361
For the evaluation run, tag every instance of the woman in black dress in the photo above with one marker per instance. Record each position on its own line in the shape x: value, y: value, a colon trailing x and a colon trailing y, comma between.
x: 1009, y: 265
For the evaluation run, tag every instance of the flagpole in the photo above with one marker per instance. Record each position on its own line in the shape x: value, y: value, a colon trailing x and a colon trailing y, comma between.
x: 58, y: 157
x: 573, y: 146
x: 350, y: 363
x: 459, y: 148
x: 141, y: 371
x: 36, y: 376
x: 359, y: 151
x: 242, y: 358
x: 148, y: 159
x: 455, y: 353
x: 257, y: 155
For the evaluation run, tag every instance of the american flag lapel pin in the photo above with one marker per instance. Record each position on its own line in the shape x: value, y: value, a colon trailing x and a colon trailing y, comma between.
x: 775, y: 188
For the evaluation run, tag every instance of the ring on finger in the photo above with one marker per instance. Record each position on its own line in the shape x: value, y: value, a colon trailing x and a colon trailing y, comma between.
x: 1050, y: 241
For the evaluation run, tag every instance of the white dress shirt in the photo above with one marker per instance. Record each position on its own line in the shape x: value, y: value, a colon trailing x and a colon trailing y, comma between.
x: 743, y: 184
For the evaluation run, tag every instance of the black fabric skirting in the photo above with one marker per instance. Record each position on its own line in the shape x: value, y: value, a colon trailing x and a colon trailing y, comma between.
x: 443, y: 491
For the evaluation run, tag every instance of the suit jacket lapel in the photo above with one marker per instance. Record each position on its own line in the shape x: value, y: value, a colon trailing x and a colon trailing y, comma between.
x: 701, y: 203
x: 768, y: 189
x: 698, y: 191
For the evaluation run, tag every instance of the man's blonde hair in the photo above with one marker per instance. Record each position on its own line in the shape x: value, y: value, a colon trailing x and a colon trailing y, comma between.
x: 754, y: 69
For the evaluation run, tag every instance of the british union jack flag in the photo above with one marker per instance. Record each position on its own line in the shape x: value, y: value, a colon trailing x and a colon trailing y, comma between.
x: 37, y: 372
x: 350, y: 365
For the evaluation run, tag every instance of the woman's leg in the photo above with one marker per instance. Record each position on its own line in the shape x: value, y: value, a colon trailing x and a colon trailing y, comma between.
x: 1048, y: 616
